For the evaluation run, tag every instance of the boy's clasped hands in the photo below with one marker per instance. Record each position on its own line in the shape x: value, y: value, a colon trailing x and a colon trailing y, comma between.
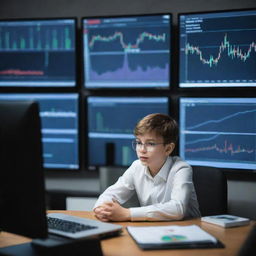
x: 112, y: 211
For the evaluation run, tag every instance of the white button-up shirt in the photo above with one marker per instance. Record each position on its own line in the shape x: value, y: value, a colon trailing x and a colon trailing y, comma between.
x: 169, y: 195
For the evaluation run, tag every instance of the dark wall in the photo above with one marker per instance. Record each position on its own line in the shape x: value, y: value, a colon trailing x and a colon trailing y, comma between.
x: 80, y: 8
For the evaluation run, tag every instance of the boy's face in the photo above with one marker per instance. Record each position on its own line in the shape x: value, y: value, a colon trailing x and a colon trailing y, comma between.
x: 152, y: 151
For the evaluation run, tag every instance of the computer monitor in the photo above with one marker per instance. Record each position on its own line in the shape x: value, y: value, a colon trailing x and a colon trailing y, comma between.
x: 21, y: 172
x: 111, y: 121
x: 38, y: 52
x: 219, y: 132
x: 217, y: 49
x: 127, y: 51
x: 22, y: 188
x: 59, y: 118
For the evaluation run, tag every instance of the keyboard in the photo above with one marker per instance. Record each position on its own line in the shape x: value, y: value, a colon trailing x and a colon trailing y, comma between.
x: 76, y: 227
x: 67, y: 226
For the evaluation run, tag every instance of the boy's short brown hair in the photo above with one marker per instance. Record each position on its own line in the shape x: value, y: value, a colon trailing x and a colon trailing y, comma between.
x: 162, y: 124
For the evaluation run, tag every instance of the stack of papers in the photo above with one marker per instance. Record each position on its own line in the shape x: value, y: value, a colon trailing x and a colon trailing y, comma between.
x: 165, y: 237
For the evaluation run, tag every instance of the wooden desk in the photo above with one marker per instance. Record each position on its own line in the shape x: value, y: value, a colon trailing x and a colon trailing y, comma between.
x: 124, y: 245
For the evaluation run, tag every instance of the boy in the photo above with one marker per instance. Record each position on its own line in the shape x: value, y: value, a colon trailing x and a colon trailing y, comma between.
x: 163, y: 183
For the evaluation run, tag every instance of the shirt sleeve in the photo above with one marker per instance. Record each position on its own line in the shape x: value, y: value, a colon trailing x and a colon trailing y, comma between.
x: 177, y: 206
x: 121, y: 191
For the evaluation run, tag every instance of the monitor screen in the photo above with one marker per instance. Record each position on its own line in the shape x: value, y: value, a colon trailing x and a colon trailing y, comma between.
x: 38, y: 53
x: 127, y: 51
x: 218, y: 49
x: 22, y: 192
x: 59, y: 117
x: 218, y: 132
x: 111, y: 121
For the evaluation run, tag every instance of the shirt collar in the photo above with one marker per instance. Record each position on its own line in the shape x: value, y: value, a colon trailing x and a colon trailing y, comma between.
x: 164, y: 171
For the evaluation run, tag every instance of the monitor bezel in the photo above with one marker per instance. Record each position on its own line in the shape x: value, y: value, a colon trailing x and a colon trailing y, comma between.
x: 233, y: 173
x: 91, y: 167
x: 121, y: 88
x: 218, y: 89
x: 76, y: 55
x: 79, y: 122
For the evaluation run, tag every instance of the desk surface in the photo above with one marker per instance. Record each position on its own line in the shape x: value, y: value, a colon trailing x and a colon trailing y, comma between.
x: 124, y: 245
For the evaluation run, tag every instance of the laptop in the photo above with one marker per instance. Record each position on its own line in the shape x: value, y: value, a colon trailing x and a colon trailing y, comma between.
x: 67, y: 231
x: 78, y: 228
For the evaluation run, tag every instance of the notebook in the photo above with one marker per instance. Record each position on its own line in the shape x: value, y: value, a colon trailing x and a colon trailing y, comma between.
x: 226, y: 220
x: 77, y: 228
x: 172, y: 237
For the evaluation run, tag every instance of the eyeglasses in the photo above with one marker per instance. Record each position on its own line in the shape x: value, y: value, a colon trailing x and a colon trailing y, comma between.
x: 150, y: 146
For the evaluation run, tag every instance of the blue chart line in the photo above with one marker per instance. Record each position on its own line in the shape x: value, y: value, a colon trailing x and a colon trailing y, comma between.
x: 221, y: 120
x: 201, y: 140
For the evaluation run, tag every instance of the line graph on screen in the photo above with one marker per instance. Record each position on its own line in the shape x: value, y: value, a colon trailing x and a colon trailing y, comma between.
x: 130, y: 61
x: 218, y: 49
x: 128, y: 53
x: 232, y: 51
x: 219, y: 132
x: 221, y: 56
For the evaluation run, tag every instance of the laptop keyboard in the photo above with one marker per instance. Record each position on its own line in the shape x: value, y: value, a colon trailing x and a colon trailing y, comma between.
x: 67, y: 226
